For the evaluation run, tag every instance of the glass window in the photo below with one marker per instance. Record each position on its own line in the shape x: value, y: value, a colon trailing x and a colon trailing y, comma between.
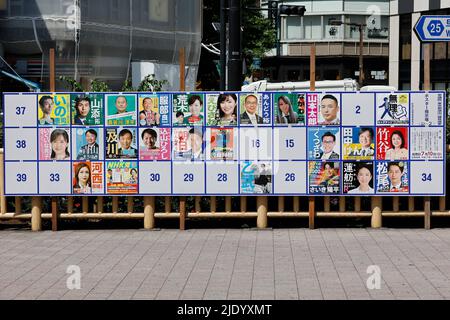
x: 313, y: 28
x: 294, y: 28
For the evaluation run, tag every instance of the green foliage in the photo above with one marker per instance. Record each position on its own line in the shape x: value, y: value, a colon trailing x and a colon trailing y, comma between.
x: 72, y: 84
x: 258, y: 37
x: 150, y: 83
x: 99, y: 86
x: 127, y: 86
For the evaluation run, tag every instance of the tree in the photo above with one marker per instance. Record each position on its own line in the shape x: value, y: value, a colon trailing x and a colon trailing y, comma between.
x: 257, y: 38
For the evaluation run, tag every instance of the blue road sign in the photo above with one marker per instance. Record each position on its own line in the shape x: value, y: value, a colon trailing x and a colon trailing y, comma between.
x: 433, y: 28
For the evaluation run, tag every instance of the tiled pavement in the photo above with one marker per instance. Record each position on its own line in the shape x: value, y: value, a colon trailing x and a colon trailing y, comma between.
x: 226, y: 264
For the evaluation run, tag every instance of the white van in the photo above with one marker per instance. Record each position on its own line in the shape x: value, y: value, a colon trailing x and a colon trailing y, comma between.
x: 326, y: 85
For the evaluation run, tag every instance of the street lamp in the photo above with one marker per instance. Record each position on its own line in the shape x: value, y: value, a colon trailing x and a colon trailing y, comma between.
x: 361, y: 44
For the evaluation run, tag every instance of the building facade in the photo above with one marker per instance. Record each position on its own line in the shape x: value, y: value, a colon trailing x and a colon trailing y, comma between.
x: 100, y: 39
x: 337, y: 47
x: 406, y: 51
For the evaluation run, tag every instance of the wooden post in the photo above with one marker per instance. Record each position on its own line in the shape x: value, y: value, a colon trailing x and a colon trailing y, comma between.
x: 227, y: 204
x: 69, y: 205
x: 130, y: 204
x: 357, y: 204
x: 326, y: 203
x: 182, y: 61
x: 18, y: 205
x: 396, y: 204
x: 52, y: 69
x: 376, y: 212
x: 243, y: 204
x: 426, y: 66
x: 312, y: 212
x: 441, y: 204
x: 100, y: 204
x: 167, y: 204
x: 261, y: 206
x: 36, y: 210
x: 2, y: 186
x: 197, y: 204
x: 55, y: 214
x: 281, y: 204
x: 182, y: 213
x: 312, y: 68
x: 149, y: 212
x: 213, y: 204
x: 410, y: 204
x: 427, y: 209
x: 296, y: 204
x: 85, y: 204
x: 341, y: 204
x: 115, y: 204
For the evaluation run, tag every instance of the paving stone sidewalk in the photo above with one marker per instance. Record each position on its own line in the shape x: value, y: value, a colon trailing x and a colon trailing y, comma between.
x: 226, y: 264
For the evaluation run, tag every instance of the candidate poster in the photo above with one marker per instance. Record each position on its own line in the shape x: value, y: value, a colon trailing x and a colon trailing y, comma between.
x: 121, y: 177
x: 153, y: 110
x: 289, y: 108
x: 87, y: 109
x: 188, y: 109
x: 324, y: 143
x: 255, y: 109
x: 54, y: 109
x: 121, y: 109
x: 324, y: 177
x: 392, y: 143
x: 358, y: 143
x: 154, y: 143
x: 121, y: 143
x: 324, y: 109
x: 222, y: 144
x: 54, y: 144
x: 357, y: 178
x: 87, y: 177
x: 221, y: 109
x: 392, y: 177
x: 87, y: 143
x: 188, y: 143
x: 256, y: 177
x: 392, y: 108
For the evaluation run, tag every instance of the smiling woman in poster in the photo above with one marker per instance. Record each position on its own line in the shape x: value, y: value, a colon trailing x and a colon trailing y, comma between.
x: 364, y: 176
x: 397, y: 150
x: 82, y: 179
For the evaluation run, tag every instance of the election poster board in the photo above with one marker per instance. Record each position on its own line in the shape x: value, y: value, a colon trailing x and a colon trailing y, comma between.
x: 225, y: 143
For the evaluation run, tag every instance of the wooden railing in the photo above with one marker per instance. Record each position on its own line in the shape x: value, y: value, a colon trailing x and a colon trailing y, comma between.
x: 299, y: 207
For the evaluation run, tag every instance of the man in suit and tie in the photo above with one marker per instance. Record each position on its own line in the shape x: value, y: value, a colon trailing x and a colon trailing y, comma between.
x: 82, y: 108
x: 196, y: 140
x: 328, y: 143
x: 89, y: 151
x: 365, y: 140
x: 249, y: 116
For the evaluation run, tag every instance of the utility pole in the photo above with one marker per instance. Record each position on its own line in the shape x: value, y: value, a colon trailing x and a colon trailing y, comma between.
x: 234, y: 50
x: 361, y: 45
x: 361, y: 53
x: 223, y: 45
